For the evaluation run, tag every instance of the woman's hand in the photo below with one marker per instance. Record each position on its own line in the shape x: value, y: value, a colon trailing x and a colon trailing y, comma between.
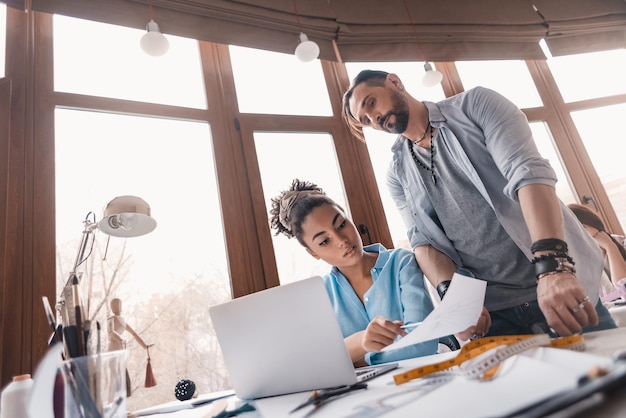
x: 381, y: 332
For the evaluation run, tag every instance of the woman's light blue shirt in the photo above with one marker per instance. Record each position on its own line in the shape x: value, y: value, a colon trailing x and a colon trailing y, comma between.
x: 398, y: 292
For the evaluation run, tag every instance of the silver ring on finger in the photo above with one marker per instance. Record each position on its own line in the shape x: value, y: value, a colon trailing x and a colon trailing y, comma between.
x: 581, y: 305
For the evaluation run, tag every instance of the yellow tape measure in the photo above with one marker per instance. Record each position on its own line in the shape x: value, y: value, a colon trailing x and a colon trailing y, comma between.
x: 489, y: 353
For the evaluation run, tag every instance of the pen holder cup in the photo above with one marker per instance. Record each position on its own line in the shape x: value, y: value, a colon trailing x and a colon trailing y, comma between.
x: 95, y: 385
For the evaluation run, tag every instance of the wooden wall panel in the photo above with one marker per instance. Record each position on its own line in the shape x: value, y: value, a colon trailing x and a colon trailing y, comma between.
x: 5, y: 129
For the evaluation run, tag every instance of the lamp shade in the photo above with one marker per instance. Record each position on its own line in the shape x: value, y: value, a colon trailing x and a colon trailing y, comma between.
x: 127, y: 216
x: 431, y: 77
x: 306, y: 50
x: 153, y: 42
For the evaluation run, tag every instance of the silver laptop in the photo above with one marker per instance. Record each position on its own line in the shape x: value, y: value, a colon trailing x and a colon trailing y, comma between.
x: 285, y: 339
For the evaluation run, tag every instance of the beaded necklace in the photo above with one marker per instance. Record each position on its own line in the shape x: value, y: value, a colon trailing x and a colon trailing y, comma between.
x: 430, y: 169
x: 421, y: 138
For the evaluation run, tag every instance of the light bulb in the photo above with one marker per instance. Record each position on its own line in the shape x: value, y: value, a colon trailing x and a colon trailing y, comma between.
x: 431, y: 77
x: 154, y: 42
x: 307, y: 50
x: 128, y: 221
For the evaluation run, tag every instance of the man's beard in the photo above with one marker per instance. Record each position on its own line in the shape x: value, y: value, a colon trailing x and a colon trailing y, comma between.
x: 401, y: 112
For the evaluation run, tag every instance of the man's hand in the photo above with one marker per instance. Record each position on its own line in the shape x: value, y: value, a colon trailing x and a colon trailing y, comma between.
x: 564, y: 303
x: 479, y: 330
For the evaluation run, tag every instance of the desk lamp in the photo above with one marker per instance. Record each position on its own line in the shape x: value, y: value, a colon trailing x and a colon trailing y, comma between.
x: 124, y: 216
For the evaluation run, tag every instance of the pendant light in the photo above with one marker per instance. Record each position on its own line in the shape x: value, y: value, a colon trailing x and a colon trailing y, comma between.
x: 154, y: 43
x: 306, y: 50
x: 431, y: 77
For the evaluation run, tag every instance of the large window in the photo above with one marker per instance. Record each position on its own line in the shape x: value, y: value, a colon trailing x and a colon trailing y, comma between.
x: 284, y: 157
x: 88, y: 62
x: 168, y: 278
x: 270, y: 82
x: 588, y: 76
x: 596, y: 76
x: 603, y: 131
x: 509, y: 78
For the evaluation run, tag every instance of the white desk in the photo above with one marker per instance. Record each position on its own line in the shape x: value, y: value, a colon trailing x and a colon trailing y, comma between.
x: 601, y: 345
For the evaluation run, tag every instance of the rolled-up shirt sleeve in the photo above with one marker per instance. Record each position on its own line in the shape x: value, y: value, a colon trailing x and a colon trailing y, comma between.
x: 509, y: 140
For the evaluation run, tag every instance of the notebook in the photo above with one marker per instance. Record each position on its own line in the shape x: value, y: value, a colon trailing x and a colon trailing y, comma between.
x: 283, y: 340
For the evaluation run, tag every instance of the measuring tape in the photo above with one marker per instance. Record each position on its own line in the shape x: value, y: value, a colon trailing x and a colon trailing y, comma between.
x: 483, y: 356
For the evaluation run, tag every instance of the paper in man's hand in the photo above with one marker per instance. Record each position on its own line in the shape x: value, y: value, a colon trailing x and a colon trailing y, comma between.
x: 459, y: 310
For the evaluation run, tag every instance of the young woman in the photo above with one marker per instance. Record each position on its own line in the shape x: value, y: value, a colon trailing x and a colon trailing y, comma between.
x: 374, y: 291
x: 612, y: 245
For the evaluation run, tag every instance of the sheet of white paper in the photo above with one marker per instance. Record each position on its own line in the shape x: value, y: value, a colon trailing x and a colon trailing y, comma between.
x: 458, y: 311
x: 194, y: 403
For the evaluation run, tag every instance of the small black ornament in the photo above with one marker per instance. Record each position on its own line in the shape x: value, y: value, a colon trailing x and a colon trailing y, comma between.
x: 184, y: 389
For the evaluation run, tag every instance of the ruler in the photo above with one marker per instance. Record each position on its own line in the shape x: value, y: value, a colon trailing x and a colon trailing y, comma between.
x: 480, y: 359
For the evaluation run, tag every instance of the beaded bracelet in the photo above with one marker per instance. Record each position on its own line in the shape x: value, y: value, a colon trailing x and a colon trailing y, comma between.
x: 553, y: 263
x: 442, y: 288
x: 549, y: 244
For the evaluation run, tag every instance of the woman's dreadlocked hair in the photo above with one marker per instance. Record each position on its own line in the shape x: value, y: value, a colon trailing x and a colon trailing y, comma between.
x: 290, y: 208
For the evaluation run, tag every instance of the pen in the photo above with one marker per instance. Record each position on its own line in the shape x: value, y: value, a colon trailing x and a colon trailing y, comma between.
x: 410, y: 326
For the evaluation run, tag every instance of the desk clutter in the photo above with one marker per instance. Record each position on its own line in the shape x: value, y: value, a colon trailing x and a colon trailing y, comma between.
x: 545, y: 377
x: 533, y: 379
x: 536, y: 382
x: 95, y: 381
x: 87, y: 381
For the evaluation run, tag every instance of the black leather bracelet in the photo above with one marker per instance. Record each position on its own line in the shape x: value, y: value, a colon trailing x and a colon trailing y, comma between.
x: 442, y: 288
x: 553, y: 263
x: 549, y: 244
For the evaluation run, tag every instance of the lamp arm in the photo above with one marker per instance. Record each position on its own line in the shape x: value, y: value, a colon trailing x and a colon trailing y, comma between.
x: 87, y: 231
x: 67, y: 312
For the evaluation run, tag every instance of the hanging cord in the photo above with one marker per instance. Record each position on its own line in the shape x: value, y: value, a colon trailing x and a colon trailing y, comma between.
x: 417, y: 39
x: 295, y: 7
x: 151, y: 12
x: 543, y: 18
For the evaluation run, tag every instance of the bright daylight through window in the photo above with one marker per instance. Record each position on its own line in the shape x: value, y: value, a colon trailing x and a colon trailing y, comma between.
x: 168, y: 278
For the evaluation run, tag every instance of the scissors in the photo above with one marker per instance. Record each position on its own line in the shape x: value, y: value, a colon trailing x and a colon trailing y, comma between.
x: 318, y: 398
